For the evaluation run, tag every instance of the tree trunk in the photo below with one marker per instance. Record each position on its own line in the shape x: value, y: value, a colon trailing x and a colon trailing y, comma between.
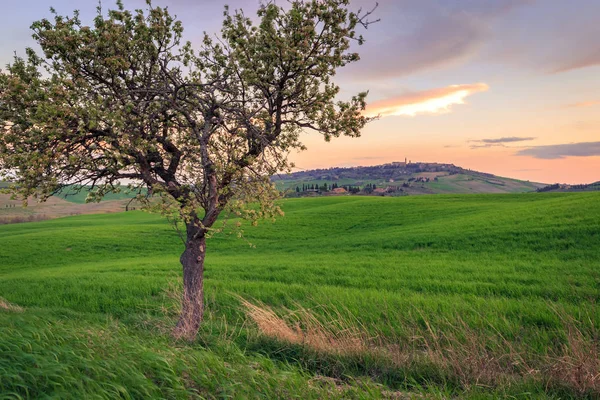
x: 192, y: 302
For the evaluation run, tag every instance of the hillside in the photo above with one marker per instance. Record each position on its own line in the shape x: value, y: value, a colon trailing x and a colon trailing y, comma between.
x: 453, y: 296
x: 78, y: 194
x: 400, y: 178
x: 564, y: 188
x: 69, y: 202
x: 12, y: 211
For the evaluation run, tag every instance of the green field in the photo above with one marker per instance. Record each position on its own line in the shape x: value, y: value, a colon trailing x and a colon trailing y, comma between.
x: 516, y: 270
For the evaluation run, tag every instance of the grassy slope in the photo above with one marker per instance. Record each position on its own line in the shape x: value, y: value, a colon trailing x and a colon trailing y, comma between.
x: 462, y: 183
x: 93, y: 284
x: 78, y: 196
x: 13, y: 210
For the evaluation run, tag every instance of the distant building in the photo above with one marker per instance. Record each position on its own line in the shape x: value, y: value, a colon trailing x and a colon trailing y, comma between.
x: 339, y: 190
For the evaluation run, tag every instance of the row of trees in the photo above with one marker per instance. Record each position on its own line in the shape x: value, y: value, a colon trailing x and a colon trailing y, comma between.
x: 330, y: 187
x: 369, y: 187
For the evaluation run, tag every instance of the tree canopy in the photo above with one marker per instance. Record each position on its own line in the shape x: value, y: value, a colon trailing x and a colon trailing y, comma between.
x: 127, y: 100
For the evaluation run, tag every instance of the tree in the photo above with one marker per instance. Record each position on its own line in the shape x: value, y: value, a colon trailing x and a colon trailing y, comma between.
x: 202, y: 131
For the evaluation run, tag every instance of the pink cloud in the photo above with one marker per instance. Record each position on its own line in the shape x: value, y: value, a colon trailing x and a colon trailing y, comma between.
x: 434, y: 101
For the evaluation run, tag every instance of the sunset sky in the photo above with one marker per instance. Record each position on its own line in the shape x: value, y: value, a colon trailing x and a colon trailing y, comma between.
x: 510, y: 87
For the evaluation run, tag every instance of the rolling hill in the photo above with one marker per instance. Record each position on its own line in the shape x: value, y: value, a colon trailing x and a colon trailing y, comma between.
x: 564, y: 188
x: 400, y: 178
x: 68, y: 203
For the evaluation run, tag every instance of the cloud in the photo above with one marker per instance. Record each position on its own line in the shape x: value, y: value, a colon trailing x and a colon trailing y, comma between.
x: 552, y: 37
x: 558, y: 151
x: 581, y: 60
x: 497, y: 142
x: 583, y: 104
x: 486, y: 145
x: 510, y: 139
x: 418, y: 35
x: 440, y: 42
x: 434, y: 101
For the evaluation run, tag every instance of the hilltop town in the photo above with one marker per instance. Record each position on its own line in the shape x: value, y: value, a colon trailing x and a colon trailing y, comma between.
x: 399, y: 179
x: 394, y: 171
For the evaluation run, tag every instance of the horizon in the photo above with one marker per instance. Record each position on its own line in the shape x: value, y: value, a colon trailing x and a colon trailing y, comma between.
x: 297, y: 170
x: 507, y: 87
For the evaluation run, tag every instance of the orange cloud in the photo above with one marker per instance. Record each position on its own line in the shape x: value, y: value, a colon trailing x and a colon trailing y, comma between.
x: 434, y: 101
x: 583, y: 104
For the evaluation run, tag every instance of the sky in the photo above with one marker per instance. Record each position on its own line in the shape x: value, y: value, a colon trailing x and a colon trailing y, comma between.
x: 509, y: 87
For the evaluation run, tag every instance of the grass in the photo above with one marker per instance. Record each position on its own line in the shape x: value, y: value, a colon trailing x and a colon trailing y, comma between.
x: 510, y: 268
x: 47, y: 356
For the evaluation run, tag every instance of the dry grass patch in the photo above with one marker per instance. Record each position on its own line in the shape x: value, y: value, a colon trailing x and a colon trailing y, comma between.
x: 577, y: 363
x: 339, y: 336
x: 6, y: 306
x: 456, y: 352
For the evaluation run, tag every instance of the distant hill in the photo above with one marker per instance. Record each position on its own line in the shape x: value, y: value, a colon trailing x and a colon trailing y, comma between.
x: 12, y: 211
x: 78, y: 194
x: 557, y: 187
x: 70, y: 202
x: 399, y: 178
